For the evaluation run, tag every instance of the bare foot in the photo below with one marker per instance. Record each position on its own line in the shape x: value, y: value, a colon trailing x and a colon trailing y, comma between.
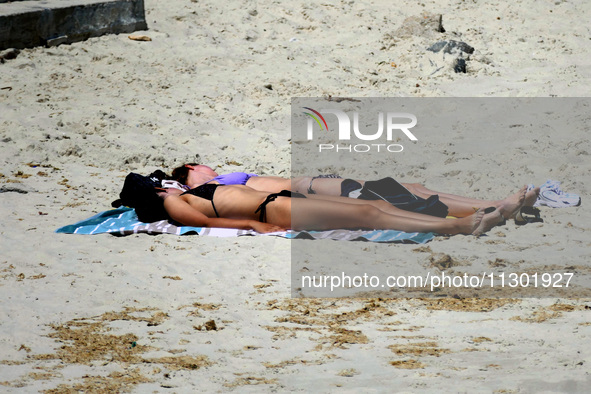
x: 531, y: 197
x: 469, y: 224
x: 488, y: 221
x: 510, y: 205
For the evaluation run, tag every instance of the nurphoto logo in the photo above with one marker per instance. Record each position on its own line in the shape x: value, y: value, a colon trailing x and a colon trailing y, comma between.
x: 395, y: 122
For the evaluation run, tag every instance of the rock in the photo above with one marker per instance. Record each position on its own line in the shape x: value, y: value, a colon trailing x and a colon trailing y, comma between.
x: 438, y: 46
x: 9, y: 54
x: 452, y: 47
x: 460, y: 65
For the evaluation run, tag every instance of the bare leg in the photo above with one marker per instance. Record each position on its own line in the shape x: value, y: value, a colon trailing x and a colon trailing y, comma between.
x: 460, y: 206
x: 382, y: 205
x: 325, y: 215
x: 321, y: 186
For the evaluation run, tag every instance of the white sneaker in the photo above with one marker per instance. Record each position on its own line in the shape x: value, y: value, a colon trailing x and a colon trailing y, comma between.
x: 551, y: 195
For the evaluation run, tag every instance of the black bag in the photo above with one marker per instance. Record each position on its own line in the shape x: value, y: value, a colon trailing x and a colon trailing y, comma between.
x: 139, y: 192
x: 389, y: 190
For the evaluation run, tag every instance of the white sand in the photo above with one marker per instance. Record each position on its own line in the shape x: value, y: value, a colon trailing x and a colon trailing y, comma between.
x: 87, y: 114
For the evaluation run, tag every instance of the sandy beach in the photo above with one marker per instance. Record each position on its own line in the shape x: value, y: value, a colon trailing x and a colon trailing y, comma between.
x: 165, y: 313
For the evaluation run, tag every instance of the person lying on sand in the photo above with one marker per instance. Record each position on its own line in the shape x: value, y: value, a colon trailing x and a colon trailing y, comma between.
x: 242, y: 207
x: 193, y: 175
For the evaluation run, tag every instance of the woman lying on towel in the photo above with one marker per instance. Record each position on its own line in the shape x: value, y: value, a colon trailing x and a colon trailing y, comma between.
x: 194, y: 175
x: 242, y: 207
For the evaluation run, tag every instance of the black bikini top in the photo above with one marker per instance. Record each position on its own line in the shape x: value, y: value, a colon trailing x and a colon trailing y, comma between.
x: 205, y: 191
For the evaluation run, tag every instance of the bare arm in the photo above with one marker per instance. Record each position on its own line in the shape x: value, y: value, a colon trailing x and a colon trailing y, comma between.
x: 180, y: 211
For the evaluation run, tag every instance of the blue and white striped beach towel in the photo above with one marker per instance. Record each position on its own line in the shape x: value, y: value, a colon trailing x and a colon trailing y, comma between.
x: 124, y: 221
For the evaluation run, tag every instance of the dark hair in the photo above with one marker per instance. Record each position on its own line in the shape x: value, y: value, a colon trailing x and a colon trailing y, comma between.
x: 181, y: 173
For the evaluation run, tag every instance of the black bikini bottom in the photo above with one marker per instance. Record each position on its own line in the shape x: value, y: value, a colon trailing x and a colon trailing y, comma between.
x: 271, y: 197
